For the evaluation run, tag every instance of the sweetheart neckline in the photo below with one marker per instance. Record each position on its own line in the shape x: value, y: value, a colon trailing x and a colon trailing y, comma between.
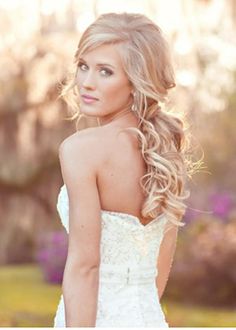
x: 132, y: 217
x: 126, y: 214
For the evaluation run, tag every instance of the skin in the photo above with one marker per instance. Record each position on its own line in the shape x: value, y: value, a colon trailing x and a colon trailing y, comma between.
x: 89, y: 171
x: 108, y: 83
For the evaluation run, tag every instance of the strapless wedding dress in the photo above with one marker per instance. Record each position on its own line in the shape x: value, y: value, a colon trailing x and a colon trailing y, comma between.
x: 127, y: 291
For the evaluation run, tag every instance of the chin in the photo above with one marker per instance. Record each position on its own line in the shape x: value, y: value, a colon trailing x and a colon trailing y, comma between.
x: 87, y: 113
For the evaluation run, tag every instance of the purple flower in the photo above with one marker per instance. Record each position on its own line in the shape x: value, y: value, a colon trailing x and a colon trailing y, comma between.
x: 52, y: 254
x: 221, y: 203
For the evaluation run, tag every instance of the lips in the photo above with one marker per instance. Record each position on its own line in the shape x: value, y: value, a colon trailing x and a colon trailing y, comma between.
x: 88, y: 97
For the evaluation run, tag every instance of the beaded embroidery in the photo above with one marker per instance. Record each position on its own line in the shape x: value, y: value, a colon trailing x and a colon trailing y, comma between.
x: 127, y: 289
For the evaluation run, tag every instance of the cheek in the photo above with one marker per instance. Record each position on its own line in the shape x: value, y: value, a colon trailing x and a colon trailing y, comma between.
x: 116, y: 90
x: 79, y: 80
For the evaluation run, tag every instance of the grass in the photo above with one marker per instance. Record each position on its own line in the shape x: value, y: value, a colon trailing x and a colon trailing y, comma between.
x: 179, y: 315
x: 26, y: 300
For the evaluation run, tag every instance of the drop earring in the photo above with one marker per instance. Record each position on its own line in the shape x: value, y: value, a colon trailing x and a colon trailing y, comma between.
x: 134, y: 106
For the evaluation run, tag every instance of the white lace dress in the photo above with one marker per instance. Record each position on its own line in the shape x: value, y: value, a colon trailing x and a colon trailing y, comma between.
x: 127, y: 291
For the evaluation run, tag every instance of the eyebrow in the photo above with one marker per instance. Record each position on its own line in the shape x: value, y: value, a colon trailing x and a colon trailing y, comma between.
x: 98, y: 64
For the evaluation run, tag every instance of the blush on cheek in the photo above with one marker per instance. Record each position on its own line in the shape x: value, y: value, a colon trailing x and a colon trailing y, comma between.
x: 118, y: 94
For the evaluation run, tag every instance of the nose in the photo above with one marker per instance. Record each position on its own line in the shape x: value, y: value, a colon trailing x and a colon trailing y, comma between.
x: 88, y: 81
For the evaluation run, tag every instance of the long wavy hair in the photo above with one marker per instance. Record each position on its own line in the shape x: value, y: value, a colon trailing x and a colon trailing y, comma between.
x: 163, y: 136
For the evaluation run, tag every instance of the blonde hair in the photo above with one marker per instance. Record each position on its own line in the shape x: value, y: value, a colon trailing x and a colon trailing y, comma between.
x: 162, y: 135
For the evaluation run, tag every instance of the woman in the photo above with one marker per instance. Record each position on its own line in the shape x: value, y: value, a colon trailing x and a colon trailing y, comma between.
x: 124, y: 180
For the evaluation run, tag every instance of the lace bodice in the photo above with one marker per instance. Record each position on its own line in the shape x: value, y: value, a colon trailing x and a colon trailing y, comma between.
x: 127, y: 291
x: 124, y: 239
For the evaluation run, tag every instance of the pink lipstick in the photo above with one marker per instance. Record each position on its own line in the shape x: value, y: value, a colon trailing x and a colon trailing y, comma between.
x: 88, y: 98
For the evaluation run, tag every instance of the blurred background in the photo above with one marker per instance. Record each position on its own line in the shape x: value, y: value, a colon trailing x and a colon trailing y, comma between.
x: 37, y: 45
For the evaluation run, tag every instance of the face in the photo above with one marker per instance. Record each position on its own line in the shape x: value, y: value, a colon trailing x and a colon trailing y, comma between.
x: 102, y: 77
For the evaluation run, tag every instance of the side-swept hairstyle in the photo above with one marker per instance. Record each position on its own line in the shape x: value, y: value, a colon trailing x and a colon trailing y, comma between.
x: 162, y: 134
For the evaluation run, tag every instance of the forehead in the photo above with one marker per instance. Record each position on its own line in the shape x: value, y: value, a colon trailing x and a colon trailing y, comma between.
x: 103, y: 54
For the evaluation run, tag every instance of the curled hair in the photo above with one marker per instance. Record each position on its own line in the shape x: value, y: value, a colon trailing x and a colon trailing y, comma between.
x: 162, y: 135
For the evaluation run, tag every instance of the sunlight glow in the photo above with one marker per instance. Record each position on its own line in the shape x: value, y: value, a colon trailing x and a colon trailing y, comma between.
x: 186, y: 78
x: 84, y: 20
x: 201, y: 49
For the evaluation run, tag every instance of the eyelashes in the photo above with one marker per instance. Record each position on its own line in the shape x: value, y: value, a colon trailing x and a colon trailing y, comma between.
x: 104, y: 71
x: 80, y: 65
x: 107, y: 71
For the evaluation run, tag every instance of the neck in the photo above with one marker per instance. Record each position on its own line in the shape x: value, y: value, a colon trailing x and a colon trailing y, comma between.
x: 110, y: 118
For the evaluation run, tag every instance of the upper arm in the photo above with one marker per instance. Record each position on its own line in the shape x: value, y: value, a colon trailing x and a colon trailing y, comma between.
x: 165, y: 258
x: 167, y: 250
x: 78, y: 166
x: 168, y: 242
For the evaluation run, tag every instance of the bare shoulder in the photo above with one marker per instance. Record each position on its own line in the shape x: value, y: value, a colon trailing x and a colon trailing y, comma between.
x: 83, y: 146
x: 86, y: 135
x: 92, y: 147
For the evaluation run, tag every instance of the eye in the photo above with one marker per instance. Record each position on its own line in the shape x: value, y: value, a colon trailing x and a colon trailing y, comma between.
x: 82, y: 66
x: 106, y: 72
